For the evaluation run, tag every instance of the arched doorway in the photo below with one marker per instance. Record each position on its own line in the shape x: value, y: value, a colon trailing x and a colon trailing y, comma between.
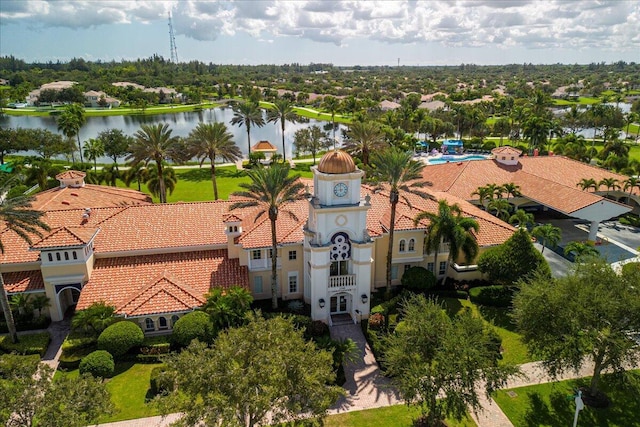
x: 68, y: 296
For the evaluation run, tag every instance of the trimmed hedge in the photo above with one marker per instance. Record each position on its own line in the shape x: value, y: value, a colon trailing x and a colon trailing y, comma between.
x: 120, y: 337
x: 38, y: 323
x: 70, y: 358
x: 447, y: 293
x: 27, y: 344
x: 418, y: 279
x: 194, y: 325
x: 494, y: 296
x: 99, y: 364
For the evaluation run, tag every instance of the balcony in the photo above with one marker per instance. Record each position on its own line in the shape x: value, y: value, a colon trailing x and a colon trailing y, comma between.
x: 262, y: 264
x: 346, y: 281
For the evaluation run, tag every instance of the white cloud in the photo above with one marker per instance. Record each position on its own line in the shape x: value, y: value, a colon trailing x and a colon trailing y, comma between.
x: 568, y: 24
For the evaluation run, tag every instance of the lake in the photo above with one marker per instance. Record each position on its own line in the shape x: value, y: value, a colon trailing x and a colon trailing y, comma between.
x: 181, y: 123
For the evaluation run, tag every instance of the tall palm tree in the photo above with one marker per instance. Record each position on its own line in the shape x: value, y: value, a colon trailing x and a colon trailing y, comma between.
x: 609, y: 183
x: 450, y: 224
x: 154, y: 143
x: 138, y: 172
x: 511, y: 189
x: 70, y: 122
x: 282, y: 111
x: 521, y: 218
x: 547, y: 234
x: 484, y: 193
x: 93, y: 148
x: 331, y: 105
x: 247, y: 114
x: 17, y: 215
x: 402, y: 174
x: 211, y: 141
x: 364, y: 138
x: 587, y: 183
x: 631, y: 183
x: 272, y: 190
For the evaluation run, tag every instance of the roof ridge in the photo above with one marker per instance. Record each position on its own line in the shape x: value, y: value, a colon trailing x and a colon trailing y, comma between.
x: 167, y: 278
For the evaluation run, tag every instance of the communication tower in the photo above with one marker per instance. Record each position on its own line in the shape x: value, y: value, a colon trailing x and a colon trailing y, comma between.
x: 172, y: 42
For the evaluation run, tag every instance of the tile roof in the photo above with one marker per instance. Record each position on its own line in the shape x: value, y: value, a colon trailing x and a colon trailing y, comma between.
x: 550, y: 180
x: 70, y: 174
x: 135, y: 287
x: 23, y: 281
x: 93, y: 196
x: 264, y: 146
x: 65, y: 237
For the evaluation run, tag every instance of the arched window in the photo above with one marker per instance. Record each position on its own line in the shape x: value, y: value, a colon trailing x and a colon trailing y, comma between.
x: 402, y: 245
x: 66, y: 256
x: 412, y: 245
x: 162, y: 322
x: 75, y: 255
x: 50, y: 257
x: 174, y: 319
x: 149, y: 325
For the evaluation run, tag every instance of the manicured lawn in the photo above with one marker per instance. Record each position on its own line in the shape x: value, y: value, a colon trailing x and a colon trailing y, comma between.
x: 548, y: 405
x: 120, y: 111
x: 194, y: 185
x: 515, y: 351
x: 390, y: 416
x: 128, y: 389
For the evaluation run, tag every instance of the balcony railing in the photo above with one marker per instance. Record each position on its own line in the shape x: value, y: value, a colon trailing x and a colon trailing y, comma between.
x: 342, y: 281
x: 263, y: 263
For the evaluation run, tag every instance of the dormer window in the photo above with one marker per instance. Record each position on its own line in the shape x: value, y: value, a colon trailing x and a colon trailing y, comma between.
x: 50, y: 256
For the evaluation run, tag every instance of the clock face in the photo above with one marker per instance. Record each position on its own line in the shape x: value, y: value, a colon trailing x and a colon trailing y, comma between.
x: 340, y: 190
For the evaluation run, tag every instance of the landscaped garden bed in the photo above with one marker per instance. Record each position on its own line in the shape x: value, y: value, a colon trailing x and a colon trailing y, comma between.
x: 27, y: 344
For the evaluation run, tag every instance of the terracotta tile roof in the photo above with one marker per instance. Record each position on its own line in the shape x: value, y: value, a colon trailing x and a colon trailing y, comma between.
x: 65, y: 237
x: 506, y: 150
x: 71, y: 174
x: 133, y: 283
x: 551, y: 180
x: 23, y: 281
x: 232, y: 218
x: 288, y: 227
x: 264, y: 146
x: 93, y: 196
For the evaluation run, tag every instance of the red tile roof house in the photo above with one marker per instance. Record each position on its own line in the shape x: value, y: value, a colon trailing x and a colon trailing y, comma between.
x: 155, y: 263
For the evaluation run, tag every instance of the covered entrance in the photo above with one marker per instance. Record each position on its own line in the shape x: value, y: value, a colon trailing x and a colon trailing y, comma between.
x: 340, y: 304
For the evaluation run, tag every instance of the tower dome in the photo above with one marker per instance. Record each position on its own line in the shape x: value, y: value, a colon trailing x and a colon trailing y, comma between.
x: 335, y: 162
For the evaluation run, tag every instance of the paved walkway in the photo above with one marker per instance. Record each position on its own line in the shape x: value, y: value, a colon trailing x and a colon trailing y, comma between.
x: 58, y: 332
x: 366, y: 386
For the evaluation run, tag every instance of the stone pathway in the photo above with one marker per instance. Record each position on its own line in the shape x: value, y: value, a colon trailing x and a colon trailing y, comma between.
x: 58, y: 332
x: 366, y: 386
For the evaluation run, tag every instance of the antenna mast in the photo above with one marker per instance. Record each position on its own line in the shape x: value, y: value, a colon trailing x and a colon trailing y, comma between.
x: 172, y: 42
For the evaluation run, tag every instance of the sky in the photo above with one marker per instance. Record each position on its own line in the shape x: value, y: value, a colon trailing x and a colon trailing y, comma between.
x: 341, y: 32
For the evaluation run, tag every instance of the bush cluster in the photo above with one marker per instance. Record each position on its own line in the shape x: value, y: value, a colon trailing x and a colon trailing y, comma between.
x: 120, y: 337
x: 495, y: 296
x: 37, y: 323
x: 418, y: 279
x: 99, y: 364
x: 194, y: 325
x: 317, y: 328
x: 376, y: 321
x: 28, y: 344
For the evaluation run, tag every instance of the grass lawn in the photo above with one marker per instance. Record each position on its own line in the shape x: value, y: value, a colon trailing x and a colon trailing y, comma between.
x: 120, y: 111
x: 128, y: 389
x: 194, y: 185
x: 515, y: 351
x: 548, y: 405
x: 390, y: 416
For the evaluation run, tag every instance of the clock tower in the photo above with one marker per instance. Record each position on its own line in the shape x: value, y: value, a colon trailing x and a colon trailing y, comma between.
x: 337, y: 248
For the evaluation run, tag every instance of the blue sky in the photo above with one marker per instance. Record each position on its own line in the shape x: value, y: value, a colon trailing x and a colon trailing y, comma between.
x: 434, y: 32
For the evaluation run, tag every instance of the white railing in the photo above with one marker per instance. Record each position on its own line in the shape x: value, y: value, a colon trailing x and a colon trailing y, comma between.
x: 342, y: 281
x: 263, y: 263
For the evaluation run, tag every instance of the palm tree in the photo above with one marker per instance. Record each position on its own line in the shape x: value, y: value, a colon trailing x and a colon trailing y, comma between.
x: 629, y: 184
x: 247, y: 114
x: 397, y: 169
x: 587, y: 183
x: 364, y: 138
x: 511, y: 189
x: 610, y: 183
x: 138, y: 172
x: 211, y: 141
x: 500, y: 208
x: 521, y: 218
x: 547, y: 234
x: 155, y: 143
x: 93, y: 148
x: 331, y: 104
x: 448, y: 223
x: 282, y: 112
x: 580, y: 250
x: 484, y: 193
x: 17, y: 215
x: 70, y: 122
x: 536, y: 130
x: 39, y: 303
x: 168, y: 182
x: 272, y: 190
x: 109, y: 175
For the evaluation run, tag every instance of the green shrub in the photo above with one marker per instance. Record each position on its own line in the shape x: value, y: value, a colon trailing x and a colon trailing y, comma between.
x: 418, y: 279
x: 159, y: 383
x: 120, y: 337
x: 98, y: 364
x: 9, y: 363
x: 194, y: 325
x: 630, y: 267
x: 447, y: 293
x: 27, y: 344
x: 70, y: 358
x: 318, y: 328
x: 376, y: 321
x: 495, y: 296
x: 35, y: 324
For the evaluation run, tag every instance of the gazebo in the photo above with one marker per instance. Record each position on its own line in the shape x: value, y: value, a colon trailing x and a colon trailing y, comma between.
x: 267, y: 148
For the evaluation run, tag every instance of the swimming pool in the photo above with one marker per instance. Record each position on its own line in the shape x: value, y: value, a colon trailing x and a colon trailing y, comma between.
x: 447, y: 159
